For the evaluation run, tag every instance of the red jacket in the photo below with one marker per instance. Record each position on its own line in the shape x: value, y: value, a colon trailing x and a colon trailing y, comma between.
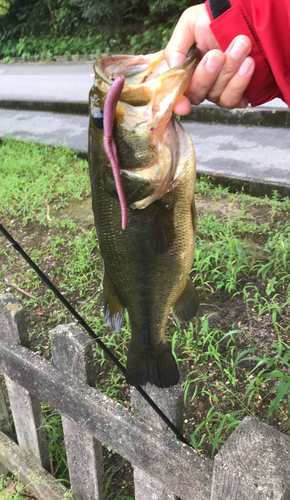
x: 267, y: 24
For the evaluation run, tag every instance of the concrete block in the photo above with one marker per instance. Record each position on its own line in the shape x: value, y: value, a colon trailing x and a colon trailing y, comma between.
x: 253, y: 464
x: 170, y: 401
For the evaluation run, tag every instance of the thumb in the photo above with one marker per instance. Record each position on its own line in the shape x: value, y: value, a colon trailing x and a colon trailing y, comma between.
x: 181, y: 40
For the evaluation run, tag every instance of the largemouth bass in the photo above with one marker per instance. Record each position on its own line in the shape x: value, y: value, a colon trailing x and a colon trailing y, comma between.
x: 146, y: 265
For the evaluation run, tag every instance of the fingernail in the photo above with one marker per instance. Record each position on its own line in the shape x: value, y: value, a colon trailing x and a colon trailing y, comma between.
x: 213, y: 64
x: 245, y: 67
x: 239, y: 49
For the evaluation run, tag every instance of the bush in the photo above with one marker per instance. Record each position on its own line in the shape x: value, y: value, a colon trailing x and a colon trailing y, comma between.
x: 59, y: 27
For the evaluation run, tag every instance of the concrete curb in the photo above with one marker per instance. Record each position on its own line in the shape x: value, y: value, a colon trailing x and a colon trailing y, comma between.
x: 70, y: 108
x: 248, y: 186
x: 253, y: 187
x: 263, y: 117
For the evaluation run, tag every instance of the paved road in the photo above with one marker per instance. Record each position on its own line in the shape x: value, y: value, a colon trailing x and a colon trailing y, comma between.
x: 62, y: 82
x: 249, y: 153
x: 51, y: 82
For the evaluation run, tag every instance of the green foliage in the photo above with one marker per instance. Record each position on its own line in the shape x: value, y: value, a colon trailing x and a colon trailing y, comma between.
x: 34, y: 27
x: 4, y: 7
x: 39, y: 175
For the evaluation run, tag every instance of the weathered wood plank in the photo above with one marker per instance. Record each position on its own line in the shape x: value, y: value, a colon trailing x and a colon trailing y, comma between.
x: 25, y: 407
x: 42, y: 484
x: 72, y: 354
x: 170, y: 401
x: 253, y: 464
x: 182, y: 470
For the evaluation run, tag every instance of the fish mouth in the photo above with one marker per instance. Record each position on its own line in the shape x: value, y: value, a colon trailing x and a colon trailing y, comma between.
x: 144, y: 112
x: 148, y: 78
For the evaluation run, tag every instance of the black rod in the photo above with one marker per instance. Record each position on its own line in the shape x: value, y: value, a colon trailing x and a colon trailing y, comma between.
x: 82, y: 322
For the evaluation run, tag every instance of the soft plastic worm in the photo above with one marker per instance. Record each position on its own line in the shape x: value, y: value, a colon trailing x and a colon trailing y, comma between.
x: 109, y: 141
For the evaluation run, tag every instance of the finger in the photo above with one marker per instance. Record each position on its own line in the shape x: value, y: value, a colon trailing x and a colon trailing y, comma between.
x: 235, y: 54
x: 183, y: 106
x: 233, y: 95
x: 205, y: 76
x: 182, y: 39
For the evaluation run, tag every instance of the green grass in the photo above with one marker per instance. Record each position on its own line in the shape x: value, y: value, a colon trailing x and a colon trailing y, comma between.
x: 39, y: 175
x: 242, y: 256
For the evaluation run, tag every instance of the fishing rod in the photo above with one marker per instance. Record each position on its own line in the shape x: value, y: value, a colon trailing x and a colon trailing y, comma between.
x: 92, y: 334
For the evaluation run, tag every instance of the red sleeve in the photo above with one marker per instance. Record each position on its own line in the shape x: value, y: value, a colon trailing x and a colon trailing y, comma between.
x: 267, y: 24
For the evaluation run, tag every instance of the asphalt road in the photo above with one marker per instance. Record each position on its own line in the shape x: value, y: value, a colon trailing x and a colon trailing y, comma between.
x: 256, y: 154
x: 51, y: 82
x: 249, y: 153
x: 66, y: 81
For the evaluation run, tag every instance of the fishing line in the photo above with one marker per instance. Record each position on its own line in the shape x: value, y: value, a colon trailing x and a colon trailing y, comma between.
x: 83, y: 323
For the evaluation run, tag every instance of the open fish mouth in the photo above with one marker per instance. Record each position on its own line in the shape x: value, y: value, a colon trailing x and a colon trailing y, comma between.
x: 146, y: 76
x: 138, y: 94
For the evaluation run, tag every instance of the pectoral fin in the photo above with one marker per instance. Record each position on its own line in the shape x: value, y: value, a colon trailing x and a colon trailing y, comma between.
x: 185, y: 308
x: 193, y: 215
x: 113, y: 307
x: 162, y: 232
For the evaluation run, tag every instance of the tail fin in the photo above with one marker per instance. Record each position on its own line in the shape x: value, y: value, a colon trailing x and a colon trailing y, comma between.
x: 160, y: 370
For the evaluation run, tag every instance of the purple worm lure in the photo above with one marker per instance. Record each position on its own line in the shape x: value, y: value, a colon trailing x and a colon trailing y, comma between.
x: 109, y: 141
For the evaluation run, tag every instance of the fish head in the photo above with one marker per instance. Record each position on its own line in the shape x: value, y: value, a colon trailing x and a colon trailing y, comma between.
x: 144, y: 131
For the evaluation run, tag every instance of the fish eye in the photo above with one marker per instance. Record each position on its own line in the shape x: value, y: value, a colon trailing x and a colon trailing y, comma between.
x: 98, y: 118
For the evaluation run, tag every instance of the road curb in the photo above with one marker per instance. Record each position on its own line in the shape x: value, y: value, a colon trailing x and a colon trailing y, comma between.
x: 253, y: 187
x: 71, y: 108
x: 263, y: 117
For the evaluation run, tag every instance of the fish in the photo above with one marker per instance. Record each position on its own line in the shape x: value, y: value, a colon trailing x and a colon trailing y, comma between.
x: 147, y: 240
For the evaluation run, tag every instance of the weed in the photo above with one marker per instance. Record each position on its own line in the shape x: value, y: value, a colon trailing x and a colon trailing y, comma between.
x: 53, y: 426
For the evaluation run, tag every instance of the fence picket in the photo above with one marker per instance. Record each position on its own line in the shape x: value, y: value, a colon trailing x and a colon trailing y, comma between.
x: 25, y: 407
x: 72, y: 354
x: 253, y: 464
x: 170, y: 401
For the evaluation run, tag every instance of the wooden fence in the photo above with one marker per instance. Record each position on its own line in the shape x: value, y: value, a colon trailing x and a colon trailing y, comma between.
x: 252, y: 465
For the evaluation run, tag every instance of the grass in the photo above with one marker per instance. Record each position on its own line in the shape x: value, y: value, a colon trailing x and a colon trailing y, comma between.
x: 234, y: 358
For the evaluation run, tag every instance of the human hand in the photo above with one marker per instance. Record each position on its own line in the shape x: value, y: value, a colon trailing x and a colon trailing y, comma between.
x: 219, y: 77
